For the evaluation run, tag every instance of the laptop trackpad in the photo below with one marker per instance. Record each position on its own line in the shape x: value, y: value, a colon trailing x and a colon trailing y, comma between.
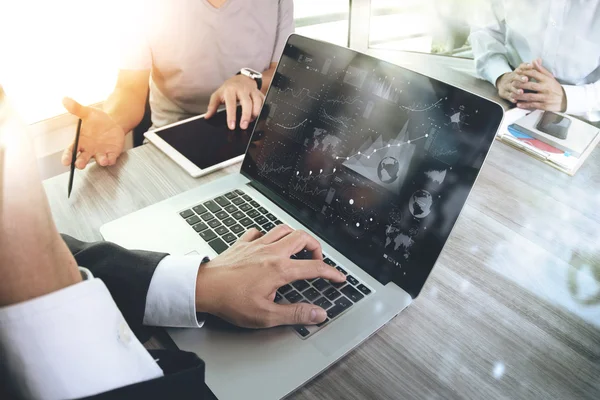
x: 352, y: 328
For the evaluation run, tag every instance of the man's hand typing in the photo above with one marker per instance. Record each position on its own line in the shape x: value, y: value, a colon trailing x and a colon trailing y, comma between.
x: 239, y: 285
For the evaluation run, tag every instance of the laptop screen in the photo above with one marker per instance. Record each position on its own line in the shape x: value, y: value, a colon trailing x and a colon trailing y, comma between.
x: 374, y: 158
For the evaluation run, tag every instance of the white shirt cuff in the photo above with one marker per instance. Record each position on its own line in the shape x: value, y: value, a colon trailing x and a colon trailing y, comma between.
x: 71, y: 343
x: 495, y: 67
x: 171, y: 298
x: 576, y: 99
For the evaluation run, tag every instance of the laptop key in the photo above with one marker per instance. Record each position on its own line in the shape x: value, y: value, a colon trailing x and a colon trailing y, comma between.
x: 342, y: 270
x: 330, y: 262
x: 293, y: 297
x: 271, y: 217
x: 352, y: 293
x: 208, y: 235
x: 186, y: 214
x: 301, y: 330
x: 253, y: 213
x: 200, y: 209
x: 261, y: 220
x: 193, y: 220
x: 311, y: 294
x: 231, y: 195
x: 331, y: 293
x: 335, y: 311
x: 323, y: 303
x: 246, y: 197
x: 255, y: 204
x: 213, y: 223
x: 340, y: 306
x: 238, y: 215
x: 268, y: 227
x: 277, y: 297
x: 246, y: 221
x: 207, y: 216
x: 337, y: 285
x: 231, y: 208
x: 212, y: 206
x: 245, y: 207
x: 263, y: 210
x: 321, y: 284
x: 237, y: 228
x: 237, y: 201
x: 364, y: 289
x: 221, y: 230
x: 218, y: 245
x: 230, y: 237
x: 200, y: 227
x: 304, y: 255
x: 238, y: 191
x: 228, y: 221
x: 277, y: 222
x: 343, y: 302
x: 222, y: 215
x: 222, y: 201
x: 301, y: 285
x: 352, y: 280
x: 284, y: 289
x: 324, y: 322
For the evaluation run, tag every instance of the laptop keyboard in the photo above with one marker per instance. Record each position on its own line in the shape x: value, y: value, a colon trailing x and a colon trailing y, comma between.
x: 222, y: 220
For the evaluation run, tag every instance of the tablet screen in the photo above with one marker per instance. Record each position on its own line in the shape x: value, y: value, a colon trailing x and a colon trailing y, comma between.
x: 208, y: 142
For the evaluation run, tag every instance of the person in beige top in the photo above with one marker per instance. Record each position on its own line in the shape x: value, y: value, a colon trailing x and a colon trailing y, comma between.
x: 189, y: 55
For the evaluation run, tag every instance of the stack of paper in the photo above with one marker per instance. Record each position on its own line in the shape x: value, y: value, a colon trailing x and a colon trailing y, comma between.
x: 518, y: 130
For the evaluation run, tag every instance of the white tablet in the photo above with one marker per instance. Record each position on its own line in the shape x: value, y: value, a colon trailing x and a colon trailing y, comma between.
x: 200, y: 145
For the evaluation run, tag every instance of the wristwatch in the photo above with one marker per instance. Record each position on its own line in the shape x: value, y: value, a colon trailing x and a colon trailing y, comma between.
x: 252, y: 74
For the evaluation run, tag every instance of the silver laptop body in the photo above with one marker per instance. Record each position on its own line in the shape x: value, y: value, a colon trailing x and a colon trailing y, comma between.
x: 375, y: 161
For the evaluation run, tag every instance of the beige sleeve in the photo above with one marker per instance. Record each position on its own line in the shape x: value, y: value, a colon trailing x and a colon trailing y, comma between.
x: 285, y: 27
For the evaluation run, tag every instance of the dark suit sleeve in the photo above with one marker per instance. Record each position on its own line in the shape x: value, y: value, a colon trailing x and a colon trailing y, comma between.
x: 183, y: 380
x: 126, y: 274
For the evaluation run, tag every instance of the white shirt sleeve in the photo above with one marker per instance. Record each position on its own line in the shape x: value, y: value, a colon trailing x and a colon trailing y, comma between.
x: 285, y: 27
x: 171, y: 298
x: 488, y: 42
x: 71, y: 343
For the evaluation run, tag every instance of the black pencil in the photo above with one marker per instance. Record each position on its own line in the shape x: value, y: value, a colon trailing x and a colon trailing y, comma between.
x: 74, y: 157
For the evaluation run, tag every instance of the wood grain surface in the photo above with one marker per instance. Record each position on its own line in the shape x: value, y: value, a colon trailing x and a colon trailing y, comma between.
x: 511, y: 310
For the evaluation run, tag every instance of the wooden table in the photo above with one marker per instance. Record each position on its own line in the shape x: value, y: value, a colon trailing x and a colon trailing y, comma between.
x: 511, y: 310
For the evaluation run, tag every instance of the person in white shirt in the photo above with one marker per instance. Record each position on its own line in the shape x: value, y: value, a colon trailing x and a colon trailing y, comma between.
x: 543, y: 54
x: 65, y: 337
x: 191, y: 53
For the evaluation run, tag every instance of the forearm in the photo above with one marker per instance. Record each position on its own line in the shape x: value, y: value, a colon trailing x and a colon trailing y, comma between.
x: 488, y: 40
x: 489, y: 52
x: 126, y: 107
x: 268, y: 77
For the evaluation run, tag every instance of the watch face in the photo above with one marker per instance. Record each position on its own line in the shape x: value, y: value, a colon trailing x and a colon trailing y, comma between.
x: 251, y: 73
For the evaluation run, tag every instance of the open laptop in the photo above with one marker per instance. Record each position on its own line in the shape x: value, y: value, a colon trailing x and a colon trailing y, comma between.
x: 374, y: 160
